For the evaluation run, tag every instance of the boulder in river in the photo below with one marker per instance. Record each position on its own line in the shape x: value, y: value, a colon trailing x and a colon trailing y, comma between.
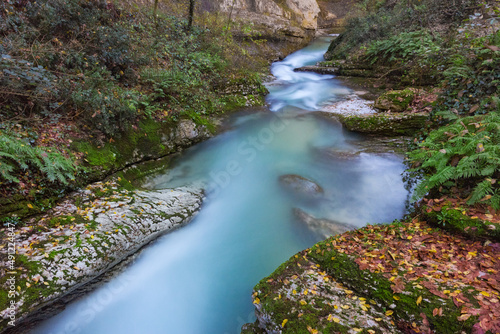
x: 301, y: 185
x: 320, y: 226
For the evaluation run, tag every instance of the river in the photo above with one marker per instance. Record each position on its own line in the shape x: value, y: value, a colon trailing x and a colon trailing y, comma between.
x: 199, y: 279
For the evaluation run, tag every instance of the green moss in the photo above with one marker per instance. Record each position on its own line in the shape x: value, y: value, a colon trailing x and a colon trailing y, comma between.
x: 54, y: 253
x: 384, y: 124
x: 454, y: 220
x: 65, y: 220
x: 396, y: 100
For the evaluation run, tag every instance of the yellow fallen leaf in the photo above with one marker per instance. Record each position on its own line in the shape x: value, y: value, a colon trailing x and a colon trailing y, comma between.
x: 463, y: 317
x: 335, y: 319
x: 419, y: 300
x: 256, y: 301
x: 302, y: 302
x: 30, y: 206
x: 388, y: 313
x: 371, y: 331
x: 484, y: 293
x: 28, y: 285
x: 284, y: 322
x: 358, y: 330
x: 312, y: 330
x: 396, y: 297
x: 378, y: 319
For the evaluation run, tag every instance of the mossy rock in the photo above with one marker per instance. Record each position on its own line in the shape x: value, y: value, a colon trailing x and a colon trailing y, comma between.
x: 299, y: 297
x: 396, y: 100
x: 377, y: 287
x: 455, y: 221
x: 386, y: 124
x: 149, y: 140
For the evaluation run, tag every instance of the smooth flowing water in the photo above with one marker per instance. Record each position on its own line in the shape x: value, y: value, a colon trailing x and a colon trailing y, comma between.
x: 199, y: 279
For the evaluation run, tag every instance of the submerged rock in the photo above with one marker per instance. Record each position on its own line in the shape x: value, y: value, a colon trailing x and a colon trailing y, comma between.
x: 320, y: 226
x: 301, y: 185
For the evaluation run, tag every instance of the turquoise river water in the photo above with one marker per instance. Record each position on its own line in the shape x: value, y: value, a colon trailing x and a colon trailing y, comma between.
x: 199, y: 279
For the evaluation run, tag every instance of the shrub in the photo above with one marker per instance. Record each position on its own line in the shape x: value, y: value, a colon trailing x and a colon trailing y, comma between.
x: 103, y: 105
x: 25, y: 87
x: 396, y: 17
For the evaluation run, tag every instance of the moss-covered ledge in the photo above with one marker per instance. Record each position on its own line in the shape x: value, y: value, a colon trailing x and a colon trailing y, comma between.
x: 81, y: 238
x: 385, y: 124
x: 147, y: 141
x: 412, y: 276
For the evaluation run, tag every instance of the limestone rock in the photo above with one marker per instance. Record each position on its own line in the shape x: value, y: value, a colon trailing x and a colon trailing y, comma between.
x: 301, y: 185
x: 322, y: 227
x: 107, y: 231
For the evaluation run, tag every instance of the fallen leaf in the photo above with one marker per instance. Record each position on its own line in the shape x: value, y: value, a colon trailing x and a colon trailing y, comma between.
x: 463, y: 317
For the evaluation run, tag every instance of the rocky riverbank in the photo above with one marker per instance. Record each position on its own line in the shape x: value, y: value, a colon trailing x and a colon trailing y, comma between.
x: 398, y: 278
x: 82, y: 238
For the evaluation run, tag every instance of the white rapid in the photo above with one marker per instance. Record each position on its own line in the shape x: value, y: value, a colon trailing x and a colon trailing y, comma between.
x: 199, y: 279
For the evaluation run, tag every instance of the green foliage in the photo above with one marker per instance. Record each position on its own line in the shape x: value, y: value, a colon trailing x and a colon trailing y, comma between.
x: 472, y: 85
x: 25, y: 87
x: 104, y: 105
x: 98, y: 73
x: 11, y: 221
x: 389, y: 18
x: 464, y: 154
x: 18, y: 154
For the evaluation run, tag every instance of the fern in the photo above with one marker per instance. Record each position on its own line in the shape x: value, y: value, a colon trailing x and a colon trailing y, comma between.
x: 16, y: 154
x: 464, y: 153
x: 480, y: 191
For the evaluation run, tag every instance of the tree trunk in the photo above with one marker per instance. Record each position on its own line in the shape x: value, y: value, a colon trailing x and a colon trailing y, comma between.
x: 191, y: 14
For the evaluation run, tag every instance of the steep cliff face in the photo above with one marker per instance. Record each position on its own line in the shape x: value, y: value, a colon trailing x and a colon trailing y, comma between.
x: 290, y: 20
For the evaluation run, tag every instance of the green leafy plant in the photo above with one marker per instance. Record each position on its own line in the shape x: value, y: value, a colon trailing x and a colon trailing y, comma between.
x: 16, y: 153
x: 464, y: 155
x: 403, y: 47
x: 472, y: 85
